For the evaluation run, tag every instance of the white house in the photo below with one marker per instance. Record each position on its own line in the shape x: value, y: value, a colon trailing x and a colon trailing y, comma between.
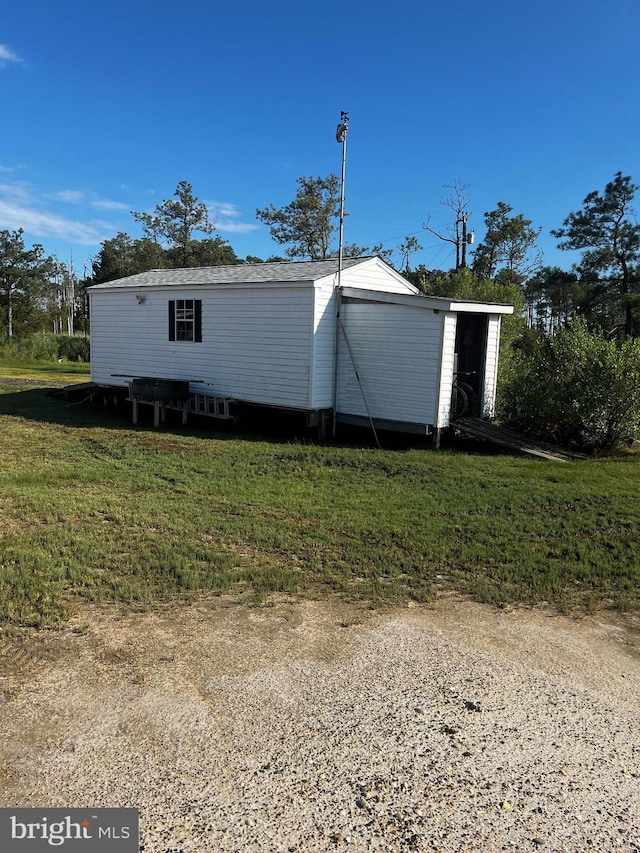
x: 265, y: 334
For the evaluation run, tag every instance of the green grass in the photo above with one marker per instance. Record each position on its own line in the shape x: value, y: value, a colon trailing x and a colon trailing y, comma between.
x: 44, y: 372
x: 93, y: 509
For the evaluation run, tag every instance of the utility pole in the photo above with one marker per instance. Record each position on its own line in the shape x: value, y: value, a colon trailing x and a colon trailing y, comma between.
x: 463, y: 261
x: 468, y: 238
x: 456, y: 201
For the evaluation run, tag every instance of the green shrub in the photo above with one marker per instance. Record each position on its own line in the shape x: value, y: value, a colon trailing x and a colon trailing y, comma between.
x: 46, y: 346
x: 577, y: 388
x: 73, y: 349
x: 42, y: 346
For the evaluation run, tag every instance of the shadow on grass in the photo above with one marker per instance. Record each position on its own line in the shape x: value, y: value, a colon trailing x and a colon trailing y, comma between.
x: 49, y: 405
x: 255, y: 424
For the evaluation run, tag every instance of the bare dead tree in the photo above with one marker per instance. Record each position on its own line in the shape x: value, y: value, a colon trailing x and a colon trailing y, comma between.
x: 457, y: 201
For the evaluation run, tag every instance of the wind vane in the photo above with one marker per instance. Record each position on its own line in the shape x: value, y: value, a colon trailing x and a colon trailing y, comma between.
x: 343, y: 127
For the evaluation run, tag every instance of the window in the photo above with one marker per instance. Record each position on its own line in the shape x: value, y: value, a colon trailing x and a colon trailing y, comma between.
x: 185, y: 320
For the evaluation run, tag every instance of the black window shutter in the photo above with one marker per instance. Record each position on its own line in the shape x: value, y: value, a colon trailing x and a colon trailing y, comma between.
x: 197, y: 332
x: 172, y: 319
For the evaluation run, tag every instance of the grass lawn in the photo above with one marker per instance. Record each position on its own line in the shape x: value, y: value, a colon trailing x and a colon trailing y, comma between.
x: 44, y: 373
x: 93, y: 509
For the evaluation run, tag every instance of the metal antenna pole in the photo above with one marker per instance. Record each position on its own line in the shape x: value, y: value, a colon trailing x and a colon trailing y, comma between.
x: 341, y: 136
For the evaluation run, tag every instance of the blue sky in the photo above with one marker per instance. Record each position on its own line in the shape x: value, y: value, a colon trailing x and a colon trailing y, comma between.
x: 106, y: 106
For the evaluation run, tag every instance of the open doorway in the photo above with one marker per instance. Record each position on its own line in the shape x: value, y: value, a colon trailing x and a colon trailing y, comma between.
x: 470, y: 353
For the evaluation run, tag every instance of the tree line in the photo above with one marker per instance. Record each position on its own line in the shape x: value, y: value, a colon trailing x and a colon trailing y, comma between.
x: 603, y: 288
x: 38, y: 292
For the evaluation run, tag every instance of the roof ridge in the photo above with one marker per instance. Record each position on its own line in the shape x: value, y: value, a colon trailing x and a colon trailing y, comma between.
x: 259, y: 273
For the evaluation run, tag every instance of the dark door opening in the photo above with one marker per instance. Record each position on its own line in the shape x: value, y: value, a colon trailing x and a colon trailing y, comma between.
x: 470, y: 352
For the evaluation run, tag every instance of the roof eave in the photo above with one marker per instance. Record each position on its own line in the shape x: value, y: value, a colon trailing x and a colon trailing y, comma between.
x: 435, y: 303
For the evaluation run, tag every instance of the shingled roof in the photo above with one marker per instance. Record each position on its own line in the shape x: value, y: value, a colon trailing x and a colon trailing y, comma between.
x: 281, y: 271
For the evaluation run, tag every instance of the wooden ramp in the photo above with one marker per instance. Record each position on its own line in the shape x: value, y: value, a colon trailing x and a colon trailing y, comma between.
x: 513, y: 440
x: 78, y: 389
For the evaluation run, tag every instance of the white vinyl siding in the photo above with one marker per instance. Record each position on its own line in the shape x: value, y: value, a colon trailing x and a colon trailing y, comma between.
x: 491, y: 366
x: 447, y: 367
x: 396, y: 351
x: 374, y: 274
x: 255, y: 342
x: 324, y: 330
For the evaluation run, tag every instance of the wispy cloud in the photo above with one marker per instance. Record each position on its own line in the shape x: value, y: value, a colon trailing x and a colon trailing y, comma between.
x: 236, y: 227
x: 223, y: 208
x: 43, y: 223
x: 67, y: 196
x: 7, y: 55
x: 20, y: 207
x: 107, y: 227
x: 108, y: 204
x: 227, y: 218
x: 17, y: 192
x: 82, y: 197
x: 42, y: 215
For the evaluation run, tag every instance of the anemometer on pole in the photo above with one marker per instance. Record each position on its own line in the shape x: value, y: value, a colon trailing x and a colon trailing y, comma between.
x: 341, y: 137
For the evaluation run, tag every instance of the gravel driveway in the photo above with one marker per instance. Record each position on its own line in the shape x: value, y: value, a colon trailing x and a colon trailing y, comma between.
x: 319, y: 726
